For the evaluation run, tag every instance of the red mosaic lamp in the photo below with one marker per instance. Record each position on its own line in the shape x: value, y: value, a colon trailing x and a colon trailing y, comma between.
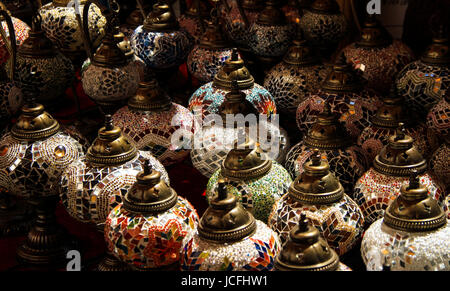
x: 150, y: 228
x: 392, y: 167
x: 319, y: 195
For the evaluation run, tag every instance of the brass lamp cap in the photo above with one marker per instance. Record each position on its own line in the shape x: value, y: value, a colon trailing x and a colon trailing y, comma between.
x: 226, y: 220
x: 161, y: 18
x: 327, y: 132
x: 271, y: 15
x: 438, y: 52
x: 109, y: 54
x: 233, y: 69
x: 392, y: 112
x: 213, y: 37
x: 316, y: 185
x: 300, y: 53
x: 413, y: 210
x: 236, y: 102
x: 37, y: 45
x: 149, y: 194
x: 341, y: 78
x: 246, y: 161
x: 306, y: 250
x: 373, y: 34
x: 110, y: 148
x: 325, y: 7
x: 150, y: 97
x: 400, y: 156
x: 34, y: 124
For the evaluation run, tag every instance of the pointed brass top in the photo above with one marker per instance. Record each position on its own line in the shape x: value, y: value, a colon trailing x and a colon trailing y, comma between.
x: 233, y: 69
x: 150, y: 97
x: 392, y: 112
x: 342, y: 78
x: 373, y: 34
x: 300, y: 53
x: 37, y: 45
x: 161, y: 18
x: 437, y: 53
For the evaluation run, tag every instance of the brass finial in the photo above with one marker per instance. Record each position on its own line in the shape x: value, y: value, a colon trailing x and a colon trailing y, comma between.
x: 300, y: 53
x: 392, y: 112
x: 236, y: 102
x: 414, y: 210
x: 37, y: 45
x: 437, y: 53
x: 226, y: 220
x: 150, y: 97
x: 342, y: 77
x: 161, y: 18
x: 306, y: 250
x: 271, y: 15
x: 233, y: 69
x: 213, y: 37
x: 373, y: 34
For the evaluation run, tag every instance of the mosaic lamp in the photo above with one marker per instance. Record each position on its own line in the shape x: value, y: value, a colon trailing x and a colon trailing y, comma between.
x: 192, y: 20
x: 110, y: 75
x: 151, y: 121
x: 439, y: 164
x: 271, y: 35
x: 20, y: 29
x: 345, y: 92
x: 425, y: 81
x: 216, y: 138
x: 318, y: 193
x: 95, y: 184
x: 60, y: 24
x: 412, y: 235
x: 257, y: 181
x: 381, y: 184
x: 33, y: 156
x: 149, y: 229
x: 239, y: 16
x: 386, y: 120
x: 229, y: 238
x: 299, y: 74
x: 307, y: 250
x: 207, y: 57
x: 208, y: 98
x: 324, y: 25
x: 438, y: 118
x: 347, y: 162
x: 377, y: 55
x: 160, y: 42
x: 53, y: 71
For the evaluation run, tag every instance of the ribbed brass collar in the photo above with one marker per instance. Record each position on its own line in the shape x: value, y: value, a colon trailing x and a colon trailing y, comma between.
x: 327, y: 132
x: 226, y: 220
x: 34, y: 123
x: 110, y: 148
x: 150, y: 97
x: 233, y: 69
x: 342, y: 78
x: 392, y: 112
x: 306, y: 250
x: 300, y: 53
x: 149, y: 194
x: 109, y: 54
x: 162, y: 18
x: 235, y: 102
x: 37, y: 45
x: 373, y: 34
x: 316, y: 185
x: 246, y: 161
x: 438, y: 52
x: 271, y: 15
x: 325, y: 7
x: 400, y: 156
x: 413, y: 210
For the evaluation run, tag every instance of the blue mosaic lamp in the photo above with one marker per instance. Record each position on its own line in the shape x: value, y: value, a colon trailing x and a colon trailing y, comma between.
x: 160, y: 42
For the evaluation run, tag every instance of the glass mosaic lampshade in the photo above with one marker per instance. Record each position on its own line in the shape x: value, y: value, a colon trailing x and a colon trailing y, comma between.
x: 425, y: 81
x: 386, y: 120
x: 257, y: 181
x: 271, y: 35
x: 21, y: 31
x: 319, y: 194
x: 229, y: 238
x: 293, y: 79
x: 149, y: 229
x: 208, y: 98
x: 412, y: 235
x: 377, y: 55
x: 381, y: 184
x: 110, y: 76
x: 324, y: 25
x: 307, y: 250
x: 207, y: 57
x: 439, y: 164
x: 438, y: 118
x: 59, y: 22
x: 53, y: 72
x: 215, y: 139
x: 150, y: 121
x: 192, y: 20
x: 344, y: 91
x: 160, y: 42
x: 346, y: 161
